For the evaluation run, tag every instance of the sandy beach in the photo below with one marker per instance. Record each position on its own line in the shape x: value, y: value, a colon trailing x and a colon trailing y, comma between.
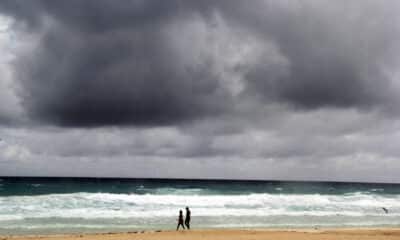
x: 343, y: 234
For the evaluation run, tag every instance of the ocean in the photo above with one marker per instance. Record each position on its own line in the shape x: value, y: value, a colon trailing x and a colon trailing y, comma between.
x: 83, y: 205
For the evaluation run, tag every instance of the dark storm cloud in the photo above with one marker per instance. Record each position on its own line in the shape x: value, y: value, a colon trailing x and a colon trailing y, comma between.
x: 116, y: 62
x: 128, y: 79
x: 102, y: 63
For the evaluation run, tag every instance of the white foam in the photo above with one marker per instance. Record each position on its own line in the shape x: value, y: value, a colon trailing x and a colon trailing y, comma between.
x: 281, y: 208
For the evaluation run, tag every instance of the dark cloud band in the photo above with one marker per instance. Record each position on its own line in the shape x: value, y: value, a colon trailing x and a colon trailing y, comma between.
x: 116, y: 63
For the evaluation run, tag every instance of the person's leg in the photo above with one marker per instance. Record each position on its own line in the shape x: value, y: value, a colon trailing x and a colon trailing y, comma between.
x: 180, y: 224
x: 187, y: 223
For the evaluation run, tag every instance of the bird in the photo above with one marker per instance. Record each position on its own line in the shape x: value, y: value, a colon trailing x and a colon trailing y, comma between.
x: 386, y: 210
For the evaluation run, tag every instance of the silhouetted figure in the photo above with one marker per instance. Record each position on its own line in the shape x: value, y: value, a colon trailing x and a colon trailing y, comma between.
x: 385, y: 209
x: 180, y: 221
x: 187, y: 218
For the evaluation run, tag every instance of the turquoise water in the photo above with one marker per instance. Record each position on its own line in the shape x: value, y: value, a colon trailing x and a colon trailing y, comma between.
x: 68, y: 205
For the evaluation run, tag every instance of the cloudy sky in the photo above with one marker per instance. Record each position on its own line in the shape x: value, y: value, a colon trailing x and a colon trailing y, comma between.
x: 294, y: 90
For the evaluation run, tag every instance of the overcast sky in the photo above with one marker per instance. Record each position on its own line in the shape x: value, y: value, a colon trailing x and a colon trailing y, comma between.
x: 289, y: 90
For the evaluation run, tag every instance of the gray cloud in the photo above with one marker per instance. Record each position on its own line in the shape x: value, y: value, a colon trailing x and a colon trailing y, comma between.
x: 10, y: 109
x: 134, y: 62
x: 337, y: 52
x: 114, y: 66
x: 298, y: 147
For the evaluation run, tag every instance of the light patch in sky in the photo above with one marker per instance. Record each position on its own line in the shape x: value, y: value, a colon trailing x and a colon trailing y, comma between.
x: 227, y: 51
x: 9, y: 107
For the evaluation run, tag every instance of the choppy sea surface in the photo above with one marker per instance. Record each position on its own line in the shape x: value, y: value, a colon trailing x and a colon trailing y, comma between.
x: 76, y: 205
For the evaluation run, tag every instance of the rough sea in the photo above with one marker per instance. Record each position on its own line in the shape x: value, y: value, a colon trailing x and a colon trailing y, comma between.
x: 75, y: 205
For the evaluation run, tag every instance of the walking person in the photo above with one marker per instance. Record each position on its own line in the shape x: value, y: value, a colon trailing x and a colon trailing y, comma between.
x: 180, y: 221
x: 187, y: 218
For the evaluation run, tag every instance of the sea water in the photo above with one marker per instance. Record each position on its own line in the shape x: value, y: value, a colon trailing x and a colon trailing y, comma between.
x: 75, y: 205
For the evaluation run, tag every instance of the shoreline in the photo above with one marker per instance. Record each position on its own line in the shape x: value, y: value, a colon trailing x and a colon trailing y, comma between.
x: 227, y: 229
x: 227, y: 234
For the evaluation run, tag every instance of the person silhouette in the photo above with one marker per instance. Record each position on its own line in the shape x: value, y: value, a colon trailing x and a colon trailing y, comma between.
x: 180, y: 221
x: 187, y: 218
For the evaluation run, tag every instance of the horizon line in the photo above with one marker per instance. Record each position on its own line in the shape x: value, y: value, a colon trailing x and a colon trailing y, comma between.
x: 198, y: 179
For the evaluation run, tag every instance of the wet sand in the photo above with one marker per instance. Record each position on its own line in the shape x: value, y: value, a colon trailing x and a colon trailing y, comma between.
x: 299, y: 234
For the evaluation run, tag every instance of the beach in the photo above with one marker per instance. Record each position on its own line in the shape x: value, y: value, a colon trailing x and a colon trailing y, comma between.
x: 259, y: 119
x: 298, y: 234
